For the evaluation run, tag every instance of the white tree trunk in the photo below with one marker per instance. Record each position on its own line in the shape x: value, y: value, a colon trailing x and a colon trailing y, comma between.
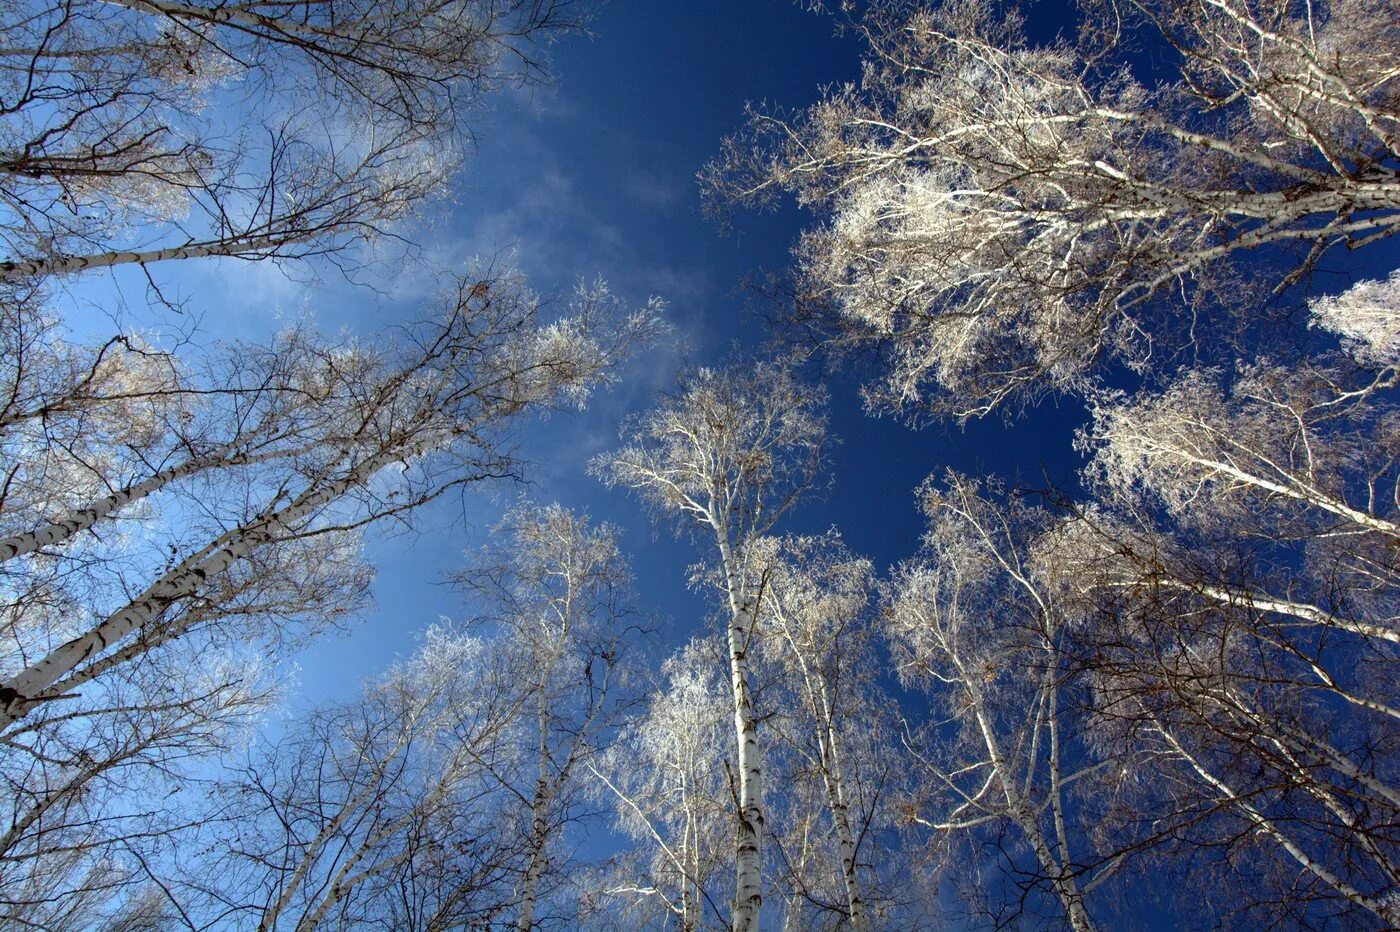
x: 59, y: 265
x: 181, y: 581
x: 748, y: 860
x: 79, y: 521
x: 833, y: 779
x: 223, y: 14
x: 538, y: 837
x: 840, y: 817
x: 1024, y: 814
x: 539, y: 827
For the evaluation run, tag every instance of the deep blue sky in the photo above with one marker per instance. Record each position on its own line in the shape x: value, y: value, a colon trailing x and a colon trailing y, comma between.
x: 596, y: 178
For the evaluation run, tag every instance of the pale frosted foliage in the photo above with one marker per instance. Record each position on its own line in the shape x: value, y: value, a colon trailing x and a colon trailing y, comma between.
x: 1367, y: 318
x: 973, y: 625
x: 567, y: 358
x: 726, y: 457
x: 999, y: 217
x: 665, y: 782
x: 1247, y: 678
x: 295, y: 446
x: 557, y: 587
x: 1280, y: 442
x: 928, y: 604
x: 563, y: 571
x: 75, y: 417
x: 732, y: 446
x: 255, y: 500
x: 952, y: 611
x: 675, y: 749
x: 815, y: 631
x: 822, y: 592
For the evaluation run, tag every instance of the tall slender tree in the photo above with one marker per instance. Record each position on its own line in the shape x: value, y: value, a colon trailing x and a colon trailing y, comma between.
x: 557, y: 587
x: 727, y: 456
x: 815, y: 627
x: 665, y: 780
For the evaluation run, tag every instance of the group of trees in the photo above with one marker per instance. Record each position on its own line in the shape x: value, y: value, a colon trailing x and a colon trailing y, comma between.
x: 178, y: 516
x: 1178, y: 675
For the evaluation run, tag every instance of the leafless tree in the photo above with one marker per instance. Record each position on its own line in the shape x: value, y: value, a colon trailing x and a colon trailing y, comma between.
x: 141, y: 131
x: 727, y: 456
x: 1300, y: 459
x: 1367, y: 318
x: 85, y: 788
x: 999, y: 216
x: 1240, y: 569
x: 558, y: 589
x: 380, y: 811
x: 665, y: 778
x: 1272, y: 734
x: 432, y: 407
x: 1008, y: 762
x: 222, y: 517
x: 815, y: 627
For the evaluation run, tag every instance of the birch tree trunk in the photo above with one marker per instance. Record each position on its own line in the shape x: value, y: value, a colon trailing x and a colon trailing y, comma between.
x: 1269, y: 828
x: 748, y: 860
x: 1024, y: 814
x: 60, y: 531
x: 834, y: 781
x: 18, y: 692
x: 539, y: 827
x: 62, y: 265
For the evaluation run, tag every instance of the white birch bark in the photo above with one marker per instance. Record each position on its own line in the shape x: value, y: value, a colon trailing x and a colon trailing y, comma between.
x: 748, y: 861
x: 181, y: 581
x: 59, y: 531
x: 539, y: 826
x: 64, y: 265
x: 833, y: 779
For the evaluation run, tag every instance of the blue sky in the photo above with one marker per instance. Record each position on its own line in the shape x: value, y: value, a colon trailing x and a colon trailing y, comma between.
x: 596, y: 178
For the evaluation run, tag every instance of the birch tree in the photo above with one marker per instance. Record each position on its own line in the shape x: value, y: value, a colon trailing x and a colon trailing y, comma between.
x: 341, y: 821
x: 1271, y: 732
x: 999, y: 217
x: 1367, y: 318
x: 665, y: 781
x: 1241, y: 568
x: 92, y: 789
x: 142, y: 132
x: 727, y: 456
x: 974, y: 622
x: 558, y: 588
x: 816, y: 629
x: 1300, y: 460
x: 424, y: 415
